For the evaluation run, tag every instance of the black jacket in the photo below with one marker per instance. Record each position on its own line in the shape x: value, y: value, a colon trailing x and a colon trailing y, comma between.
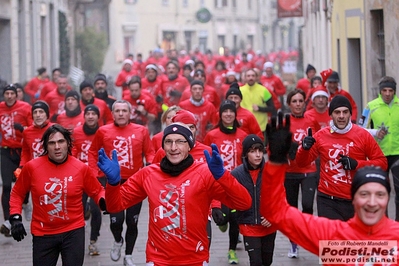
x: 241, y: 173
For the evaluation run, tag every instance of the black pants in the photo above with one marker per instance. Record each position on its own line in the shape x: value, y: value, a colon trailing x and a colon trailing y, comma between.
x: 46, y: 249
x: 260, y: 249
x: 335, y: 209
x: 132, y: 217
x: 10, y: 159
x: 393, y: 165
x: 231, y: 218
x: 308, y: 184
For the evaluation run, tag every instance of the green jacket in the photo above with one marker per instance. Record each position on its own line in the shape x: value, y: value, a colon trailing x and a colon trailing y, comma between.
x: 380, y: 113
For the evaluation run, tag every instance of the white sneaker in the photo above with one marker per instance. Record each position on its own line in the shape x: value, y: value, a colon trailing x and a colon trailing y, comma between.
x: 128, y: 261
x: 27, y: 211
x: 116, y: 251
x: 293, y: 252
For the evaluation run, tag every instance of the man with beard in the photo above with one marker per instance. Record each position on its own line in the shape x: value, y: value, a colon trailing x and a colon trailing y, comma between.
x: 72, y: 116
x: 100, y: 90
x: 87, y: 92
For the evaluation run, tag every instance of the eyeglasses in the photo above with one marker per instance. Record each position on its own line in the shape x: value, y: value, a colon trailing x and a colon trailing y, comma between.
x: 178, y: 142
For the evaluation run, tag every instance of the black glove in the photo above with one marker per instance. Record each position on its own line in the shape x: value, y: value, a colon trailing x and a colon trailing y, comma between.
x: 279, y: 139
x: 347, y: 162
x: 18, y: 126
x: 54, y: 118
x: 293, y: 150
x: 159, y: 99
x: 103, y: 206
x: 218, y: 216
x: 308, y: 141
x: 17, y: 227
x: 175, y: 93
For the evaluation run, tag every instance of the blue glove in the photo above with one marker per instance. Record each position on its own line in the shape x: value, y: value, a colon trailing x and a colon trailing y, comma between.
x: 110, y: 168
x: 215, y: 163
x: 37, y: 94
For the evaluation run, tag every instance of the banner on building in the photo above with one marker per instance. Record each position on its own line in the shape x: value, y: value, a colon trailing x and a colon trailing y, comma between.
x: 289, y: 8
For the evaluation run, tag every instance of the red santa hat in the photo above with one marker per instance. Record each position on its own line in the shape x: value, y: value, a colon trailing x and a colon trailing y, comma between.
x: 127, y: 61
x: 320, y: 91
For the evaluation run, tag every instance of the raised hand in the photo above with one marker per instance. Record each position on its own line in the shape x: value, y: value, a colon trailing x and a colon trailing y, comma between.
x: 215, y: 163
x: 308, y: 141
x: 279, y: 138
x: 110, y: 168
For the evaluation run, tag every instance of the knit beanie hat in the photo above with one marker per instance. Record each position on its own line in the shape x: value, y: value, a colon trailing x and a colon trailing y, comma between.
x: 196, y: 82
x: 10, y: 87
x: 73, y: 94
x: 42, y: 105
x: 334, y: 77
x: 310, y: 67
x: 92, y: 107
x: 391, y: 85
x: 249, y: 142
x: 178, y: 128
x: 185, y: 117
x: 320, y: 91
x: 339, y: 101
x: 227, y: 104
x: 100, y: 77
x: 234, y: 90
x: 85, y: 84
x: 369, y: 174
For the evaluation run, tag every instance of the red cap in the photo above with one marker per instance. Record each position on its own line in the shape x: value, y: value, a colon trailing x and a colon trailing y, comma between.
x: 185, y: 117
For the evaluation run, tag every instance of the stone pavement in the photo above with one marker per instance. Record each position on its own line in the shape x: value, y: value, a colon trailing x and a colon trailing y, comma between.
x: 14, y: 253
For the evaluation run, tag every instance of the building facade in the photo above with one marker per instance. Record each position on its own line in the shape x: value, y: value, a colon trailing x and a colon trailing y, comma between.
x: 28, y: 37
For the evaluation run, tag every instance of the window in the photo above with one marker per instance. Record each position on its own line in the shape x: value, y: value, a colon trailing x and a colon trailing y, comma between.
x: 234, y: 3
x: 165, y: 2
x: 220, y: 3
x: 379, y: 33
x: 185, y: 3
x: 249, y: 4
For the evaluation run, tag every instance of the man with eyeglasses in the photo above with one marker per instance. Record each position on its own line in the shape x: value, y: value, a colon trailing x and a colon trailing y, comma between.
x: 132, y: 145
x: 189, y: 120
x: 15, y: 116
x: 179, y: 192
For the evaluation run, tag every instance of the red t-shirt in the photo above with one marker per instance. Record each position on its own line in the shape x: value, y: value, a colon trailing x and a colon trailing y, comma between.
x: 229, y: 145
x: 205, y: 115
x: 32, y: 147
x: 57, y: 191
x: 55, y: 101
x: 273, y: 83
x: 167, y: 86
x: 132, y: 143
x: 19, y: 113
x: 70, y: 123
